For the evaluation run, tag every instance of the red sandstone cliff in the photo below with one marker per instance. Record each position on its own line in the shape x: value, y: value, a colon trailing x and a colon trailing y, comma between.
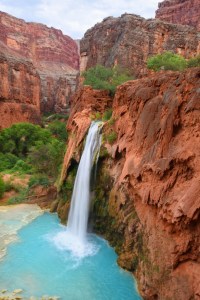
x: 130, y: 39
x: 53, y: 55
x: 186, y: 12
x: 20, y: 90
x: 152, y: 207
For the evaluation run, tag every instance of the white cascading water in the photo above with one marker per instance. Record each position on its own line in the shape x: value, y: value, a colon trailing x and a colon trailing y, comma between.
x: 75, y: 238
x: 80, y: 203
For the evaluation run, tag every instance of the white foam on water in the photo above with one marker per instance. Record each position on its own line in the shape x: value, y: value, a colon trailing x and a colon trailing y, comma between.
x: 67, y: 242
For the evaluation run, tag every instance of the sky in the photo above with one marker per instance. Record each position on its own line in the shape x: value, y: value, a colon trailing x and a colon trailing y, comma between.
x: 74, y: 17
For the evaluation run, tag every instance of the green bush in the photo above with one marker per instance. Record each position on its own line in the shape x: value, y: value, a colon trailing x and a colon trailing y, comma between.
x: 19, y: 138
x: 7, y: 161
x: 58, y: 129
x: 102, y: 78
x: 47, y: 158
x: 22, y: 197
x: 194, y: 62
x: 167, y: 61
x: 111, y: 137
x: 22, y: 167
x: 39, y: 180
x: 107, y: 115
x: 2, y: 187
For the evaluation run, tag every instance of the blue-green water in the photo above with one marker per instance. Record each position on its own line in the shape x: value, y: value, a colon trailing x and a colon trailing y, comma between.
x: 39, y: 265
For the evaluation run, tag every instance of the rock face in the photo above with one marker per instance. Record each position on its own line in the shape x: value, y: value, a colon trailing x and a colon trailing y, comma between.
x: 186, y: 12
x: 130, y: 39
x: 146, y: 199
x: 19, y: 90
x: 53, y: 55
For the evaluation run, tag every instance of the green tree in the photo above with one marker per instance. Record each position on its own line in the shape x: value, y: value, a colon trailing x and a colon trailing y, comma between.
x: 102, y: 78
x: 58, y: 129
x: 167, y: 61
x: 47, y: 158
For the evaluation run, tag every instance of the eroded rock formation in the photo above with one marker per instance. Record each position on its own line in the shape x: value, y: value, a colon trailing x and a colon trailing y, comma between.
x: 147, y: 191
x: 52, y: 54
x: 19, y: 91
x: 130, y: 39
x: 186, y: 12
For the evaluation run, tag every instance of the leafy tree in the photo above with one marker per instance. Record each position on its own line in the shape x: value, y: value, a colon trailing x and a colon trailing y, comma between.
x: 58, y: 129
x: 47, y: 158
x: 19, y: 138
x: 102, y: 78
x: 167, y: 61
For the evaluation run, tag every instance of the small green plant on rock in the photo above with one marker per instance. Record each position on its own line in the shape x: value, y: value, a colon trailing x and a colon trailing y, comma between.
x: 102, y: 78
x: 194, y: 62
x: 111, y: 137
x: 167, y: 61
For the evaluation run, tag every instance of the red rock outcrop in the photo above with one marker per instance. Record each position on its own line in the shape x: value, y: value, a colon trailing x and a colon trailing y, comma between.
x: 151, y: 206
x: 19, y: 91
x: 129, y: 40
x: 186, y: 12
x: 53, y: 54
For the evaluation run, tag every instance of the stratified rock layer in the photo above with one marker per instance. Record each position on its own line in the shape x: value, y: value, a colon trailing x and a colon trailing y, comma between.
x: 53, y: 55
x: 129, y: 40
x: 147, y: 199
x: 186, y: 12
x: 19, y: 91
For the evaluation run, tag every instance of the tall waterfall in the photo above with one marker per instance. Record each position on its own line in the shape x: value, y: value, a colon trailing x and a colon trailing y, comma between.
x: 79, y: 210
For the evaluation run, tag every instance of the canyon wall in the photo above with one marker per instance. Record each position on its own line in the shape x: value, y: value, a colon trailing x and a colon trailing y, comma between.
x: 19, y: 90
x: 146, y: 197
x: 129, y: 40
x: 53, y: 55
x: 186, y: 12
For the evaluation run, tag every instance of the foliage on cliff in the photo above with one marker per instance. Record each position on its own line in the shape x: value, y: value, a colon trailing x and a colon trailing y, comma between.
x: 171, y: 61
x: 102, y: 78
x: 167, y: 61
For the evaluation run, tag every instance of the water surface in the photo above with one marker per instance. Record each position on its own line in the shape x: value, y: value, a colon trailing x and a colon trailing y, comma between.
x: 40, y: 265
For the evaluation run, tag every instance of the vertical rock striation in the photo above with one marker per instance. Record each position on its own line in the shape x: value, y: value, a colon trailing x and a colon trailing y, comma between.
x: 129, y: 40
x: 53, y: 54
x: 186, y: 12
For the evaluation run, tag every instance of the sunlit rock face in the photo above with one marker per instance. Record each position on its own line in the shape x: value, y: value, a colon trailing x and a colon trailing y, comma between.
x: 186, y: 12
x: 147, y: 200
x: 129, y: 40
x: 51, y: 54
x: 20, y: 90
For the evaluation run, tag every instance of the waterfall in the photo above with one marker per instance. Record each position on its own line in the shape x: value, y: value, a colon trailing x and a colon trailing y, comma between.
x: 80, y: 203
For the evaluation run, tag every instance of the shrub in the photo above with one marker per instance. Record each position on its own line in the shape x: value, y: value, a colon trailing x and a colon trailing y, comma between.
x: 102, y: 78
x: 107, y: 115
x: 2, y: 187
x: 46, y: 158
x: 194, y: 62
x: 19, y: 138
x: 22, y: 197
x: 167, y: 61
x: 8, y: 161
x: 38, y: 180
x: 111, y: 137
x: 22, y: 167
x: 58, y: 129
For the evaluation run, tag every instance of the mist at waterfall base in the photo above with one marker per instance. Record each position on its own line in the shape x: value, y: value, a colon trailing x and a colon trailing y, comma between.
x: 67, y: 262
